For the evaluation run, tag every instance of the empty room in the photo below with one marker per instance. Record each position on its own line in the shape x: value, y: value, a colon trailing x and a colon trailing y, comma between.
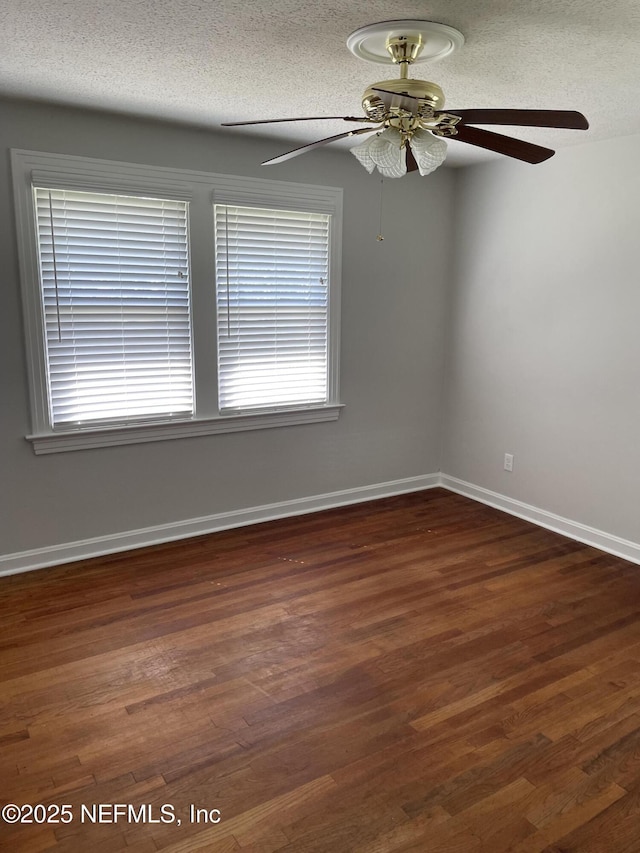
x: 320, y: 371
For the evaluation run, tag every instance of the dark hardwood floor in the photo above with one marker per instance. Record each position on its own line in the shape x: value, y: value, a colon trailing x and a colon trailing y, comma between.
x: 420, y: 673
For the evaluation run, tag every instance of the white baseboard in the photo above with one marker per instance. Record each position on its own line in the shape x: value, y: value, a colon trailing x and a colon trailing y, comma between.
x: 573, y: 529
x: 40, y: 558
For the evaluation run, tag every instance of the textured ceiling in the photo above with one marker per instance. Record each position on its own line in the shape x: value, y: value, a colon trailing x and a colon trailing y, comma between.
x: 204, y: 62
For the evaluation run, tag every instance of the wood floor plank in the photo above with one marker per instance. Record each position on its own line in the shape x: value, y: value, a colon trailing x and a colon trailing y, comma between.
x: 419, y: 673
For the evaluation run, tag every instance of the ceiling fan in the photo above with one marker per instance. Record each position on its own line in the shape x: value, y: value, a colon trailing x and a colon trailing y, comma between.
x: 407, y: 115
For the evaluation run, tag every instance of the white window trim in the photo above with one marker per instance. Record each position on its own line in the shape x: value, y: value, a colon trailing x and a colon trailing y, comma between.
x: 200, y: 188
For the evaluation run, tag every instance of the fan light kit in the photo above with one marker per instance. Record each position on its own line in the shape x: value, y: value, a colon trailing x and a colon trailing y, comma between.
x: 407, y: 115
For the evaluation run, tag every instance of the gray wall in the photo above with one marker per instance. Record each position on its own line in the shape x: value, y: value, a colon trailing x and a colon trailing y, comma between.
x: 392, y: 351
x: 544, y: 353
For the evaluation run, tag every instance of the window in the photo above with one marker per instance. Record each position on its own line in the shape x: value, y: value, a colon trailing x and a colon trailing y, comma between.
x: 165, y: 303
x: 115, y: 296
x: 272, y: 291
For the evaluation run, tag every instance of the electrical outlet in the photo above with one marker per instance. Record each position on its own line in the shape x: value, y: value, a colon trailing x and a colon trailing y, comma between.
x: 508, y: 461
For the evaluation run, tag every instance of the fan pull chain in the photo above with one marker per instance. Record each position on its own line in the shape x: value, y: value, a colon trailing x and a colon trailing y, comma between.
x: 380, y: 237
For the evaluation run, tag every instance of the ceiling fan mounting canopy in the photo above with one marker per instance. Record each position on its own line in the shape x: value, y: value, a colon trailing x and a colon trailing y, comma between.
x: 429, y: 40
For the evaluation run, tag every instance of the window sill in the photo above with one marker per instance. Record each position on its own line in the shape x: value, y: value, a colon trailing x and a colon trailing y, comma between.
x: 60, y: 442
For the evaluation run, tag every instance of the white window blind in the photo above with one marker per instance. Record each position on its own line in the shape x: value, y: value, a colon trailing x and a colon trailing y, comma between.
x: 115, y: 295
x: 272, y: 270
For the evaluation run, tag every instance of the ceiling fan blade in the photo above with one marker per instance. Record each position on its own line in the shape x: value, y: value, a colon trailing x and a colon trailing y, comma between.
x: 303, y: 148
x: 304, y: 118
x: 396, y: 99
x: 524, y: 118
x: 517, y: 148
x: 411, y: 160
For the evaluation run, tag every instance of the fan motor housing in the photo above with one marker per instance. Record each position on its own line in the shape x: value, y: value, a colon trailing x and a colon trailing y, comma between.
x: 430, y: 94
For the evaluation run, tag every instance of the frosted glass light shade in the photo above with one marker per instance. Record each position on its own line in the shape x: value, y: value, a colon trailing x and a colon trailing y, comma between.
x: 384, y: 152
x: 429, y: 150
